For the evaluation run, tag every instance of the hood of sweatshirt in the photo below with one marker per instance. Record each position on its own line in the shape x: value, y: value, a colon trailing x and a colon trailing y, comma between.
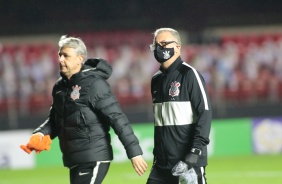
x: 97, y: 66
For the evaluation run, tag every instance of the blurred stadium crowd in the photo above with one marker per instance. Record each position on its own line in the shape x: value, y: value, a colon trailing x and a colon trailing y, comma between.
x: 236, y: 68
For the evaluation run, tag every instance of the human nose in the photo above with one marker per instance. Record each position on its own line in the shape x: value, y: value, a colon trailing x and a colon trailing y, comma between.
x: 61, y: 58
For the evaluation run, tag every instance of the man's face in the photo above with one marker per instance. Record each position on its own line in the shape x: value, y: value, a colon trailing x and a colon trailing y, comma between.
x: 70, y: 62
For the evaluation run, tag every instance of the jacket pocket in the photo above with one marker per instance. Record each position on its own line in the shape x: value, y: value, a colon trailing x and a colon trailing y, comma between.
x: 84, y: 125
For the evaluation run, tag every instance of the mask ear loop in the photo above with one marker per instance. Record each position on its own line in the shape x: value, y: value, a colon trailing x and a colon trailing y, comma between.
x: 176, y: 50
x: 161, y: 47
x: 158, y: 45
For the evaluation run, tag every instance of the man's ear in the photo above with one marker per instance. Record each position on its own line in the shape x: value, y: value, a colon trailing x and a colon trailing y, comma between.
x: 178, y: 48
x: 81, y: 59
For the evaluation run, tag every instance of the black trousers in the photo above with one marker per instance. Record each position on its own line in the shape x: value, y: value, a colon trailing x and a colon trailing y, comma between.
x: 89, y: 173
x: 164, y: 176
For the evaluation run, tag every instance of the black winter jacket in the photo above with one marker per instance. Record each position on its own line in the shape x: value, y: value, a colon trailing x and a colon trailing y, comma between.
x: 82, y: 113
x: 182, y: 114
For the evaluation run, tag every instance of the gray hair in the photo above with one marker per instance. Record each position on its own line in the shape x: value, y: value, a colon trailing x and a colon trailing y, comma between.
x: 75, y: 43
x: 172, y: 31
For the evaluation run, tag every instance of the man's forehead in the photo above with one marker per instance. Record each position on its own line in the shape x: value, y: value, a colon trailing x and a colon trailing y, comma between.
x: 164, y: 35
x: 66, y: 50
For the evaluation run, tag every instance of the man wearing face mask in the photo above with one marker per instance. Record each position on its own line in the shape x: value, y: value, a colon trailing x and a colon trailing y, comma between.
x: 182, y: 112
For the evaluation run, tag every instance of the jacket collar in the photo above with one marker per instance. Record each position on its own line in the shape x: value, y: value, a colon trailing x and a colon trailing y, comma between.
x: 172, y: 67
x: 94, y: 66
x: 74, y: 78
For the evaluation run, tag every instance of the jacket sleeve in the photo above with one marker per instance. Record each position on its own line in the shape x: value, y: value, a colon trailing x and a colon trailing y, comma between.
x: 49, y: 126
x: 105, y: 102
x: 201, y: 108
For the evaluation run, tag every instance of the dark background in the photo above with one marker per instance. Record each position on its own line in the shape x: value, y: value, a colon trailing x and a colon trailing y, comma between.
x: 58, y: 16
x: 33, y: 17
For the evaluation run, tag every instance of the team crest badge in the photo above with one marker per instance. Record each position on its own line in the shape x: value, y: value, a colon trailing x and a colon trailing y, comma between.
x: 166, y: 54
x: 174, y: 89
x: 75, y: 92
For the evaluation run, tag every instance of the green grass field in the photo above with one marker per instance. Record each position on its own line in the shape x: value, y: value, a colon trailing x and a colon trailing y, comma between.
x: 221, y: 170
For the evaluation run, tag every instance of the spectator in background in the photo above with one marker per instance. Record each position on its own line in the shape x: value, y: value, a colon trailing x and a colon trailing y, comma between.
x: 81, y: 115
x: 182, y: 112
x: 8, y: 76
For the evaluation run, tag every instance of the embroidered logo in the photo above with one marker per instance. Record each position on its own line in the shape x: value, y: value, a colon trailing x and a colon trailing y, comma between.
x: 174, y: 89
x: 166, y: 54
x: 75, y: 92
x: 81, y: 174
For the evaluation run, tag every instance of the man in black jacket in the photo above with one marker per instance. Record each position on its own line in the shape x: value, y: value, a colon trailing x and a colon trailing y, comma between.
x: 182, y: 112
x: 82, y: 112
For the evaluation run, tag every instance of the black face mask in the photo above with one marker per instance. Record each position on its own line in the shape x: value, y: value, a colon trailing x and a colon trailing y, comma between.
x: 163, y: 54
